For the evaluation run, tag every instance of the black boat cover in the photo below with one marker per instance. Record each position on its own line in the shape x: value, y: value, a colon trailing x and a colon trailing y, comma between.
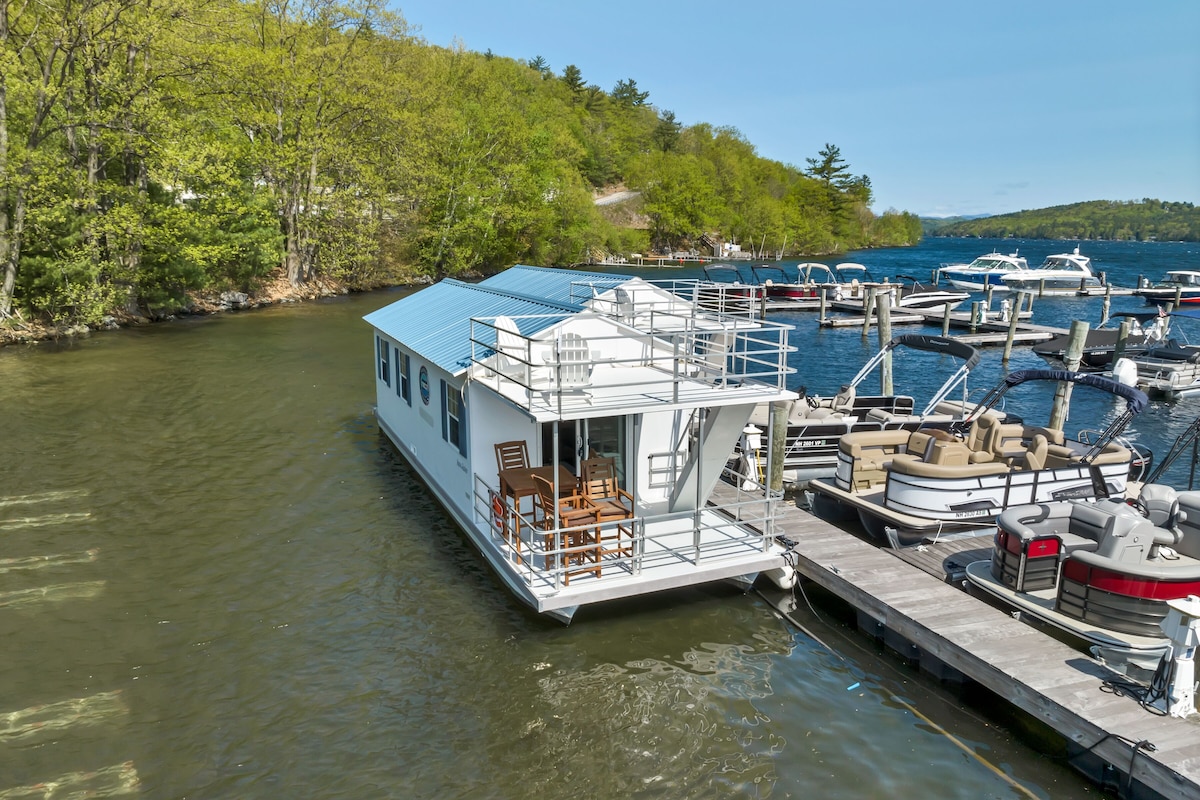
x: 937, y: 344
x: 1135, y: 399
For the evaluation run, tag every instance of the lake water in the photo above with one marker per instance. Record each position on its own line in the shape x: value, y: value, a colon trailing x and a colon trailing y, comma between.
x: 217, y: 581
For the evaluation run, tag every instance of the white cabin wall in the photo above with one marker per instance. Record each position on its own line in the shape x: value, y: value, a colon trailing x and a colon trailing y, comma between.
x: 492, y: 420
x: 416, y: 430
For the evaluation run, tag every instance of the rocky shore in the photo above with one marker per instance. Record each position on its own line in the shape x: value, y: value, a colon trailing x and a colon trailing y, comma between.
x: 279, y: 290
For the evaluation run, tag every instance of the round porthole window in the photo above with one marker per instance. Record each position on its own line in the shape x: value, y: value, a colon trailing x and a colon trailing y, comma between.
x: 424, y: 379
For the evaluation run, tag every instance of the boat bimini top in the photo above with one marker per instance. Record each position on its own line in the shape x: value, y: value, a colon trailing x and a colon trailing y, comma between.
x: 933, y: 344
x: 1135, y: 400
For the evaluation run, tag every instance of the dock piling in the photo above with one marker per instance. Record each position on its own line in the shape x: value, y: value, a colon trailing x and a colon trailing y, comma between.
x: 824, y: 304
x: 1014, y: 319
x: 868, y: 302
x: 1062, y: 395
x: 884, y: 312
x: 1122, y: 338
x: 946, y: 320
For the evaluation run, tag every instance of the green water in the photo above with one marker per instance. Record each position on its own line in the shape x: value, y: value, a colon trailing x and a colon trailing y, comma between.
x: 217, y: 581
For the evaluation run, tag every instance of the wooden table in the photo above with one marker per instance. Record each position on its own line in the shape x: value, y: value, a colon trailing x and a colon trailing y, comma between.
x: 517, y: 483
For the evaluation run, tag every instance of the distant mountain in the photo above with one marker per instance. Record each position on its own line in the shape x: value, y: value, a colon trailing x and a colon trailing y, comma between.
x: 931, y: 225
x: 1133, y: 220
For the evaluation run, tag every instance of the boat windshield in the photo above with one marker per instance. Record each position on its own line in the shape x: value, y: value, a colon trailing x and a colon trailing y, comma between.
x: 1183, y: 278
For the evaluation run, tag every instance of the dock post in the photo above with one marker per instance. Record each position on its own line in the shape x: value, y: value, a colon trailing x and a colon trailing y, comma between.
x: 946, y: 320
x: 934, y: 276
x: 975, y: 315
x: 1041, y: 287
x: 1178, y: 297
x: 1119, y: 347
x: 1082, y: 285
x: 824, y: 300
x: 1062, y: 395
x: 868, y: 303
x: 1014, y: 319
x: 762, y: 314
x: 883, y: 306
x: 1106, y: 307
x: 778, y: 444
x: 988, y: 297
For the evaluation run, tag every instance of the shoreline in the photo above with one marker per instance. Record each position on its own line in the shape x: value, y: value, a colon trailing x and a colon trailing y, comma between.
x: 278, y: 291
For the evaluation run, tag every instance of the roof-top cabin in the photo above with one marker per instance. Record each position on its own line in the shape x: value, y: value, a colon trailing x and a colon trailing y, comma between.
x: 575, y: 374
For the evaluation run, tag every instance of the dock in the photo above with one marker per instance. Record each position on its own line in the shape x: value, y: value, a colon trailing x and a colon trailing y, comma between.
x: 903, y: 597
x: 990, y: 332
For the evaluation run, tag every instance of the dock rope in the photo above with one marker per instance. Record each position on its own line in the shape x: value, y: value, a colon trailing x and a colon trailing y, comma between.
x: 1138, y: 746
x: 1146, y: 694
x: 792, y: 559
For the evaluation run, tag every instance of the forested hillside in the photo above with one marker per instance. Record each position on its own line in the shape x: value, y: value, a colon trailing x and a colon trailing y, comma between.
x: 1139, y: 220
x: 152, y: 150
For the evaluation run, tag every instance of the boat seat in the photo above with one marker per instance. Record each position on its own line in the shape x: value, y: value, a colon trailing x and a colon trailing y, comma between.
x: 842, y: 402
x: 922, y: 469
x: 1188, y: 523
x: 1035, y: 456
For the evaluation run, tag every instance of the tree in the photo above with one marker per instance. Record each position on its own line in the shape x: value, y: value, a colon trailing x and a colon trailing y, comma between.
x: 573, y: 78
x: 830, y: 169
x: 540, y: 65
x: 626, y: 93
x: 666, y: 132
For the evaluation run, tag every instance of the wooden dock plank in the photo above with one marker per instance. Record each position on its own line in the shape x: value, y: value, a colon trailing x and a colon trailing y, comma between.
x: 1062, y: 686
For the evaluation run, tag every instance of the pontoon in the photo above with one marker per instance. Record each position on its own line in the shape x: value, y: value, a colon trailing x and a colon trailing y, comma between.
x: 815, y: 425
x: 906, y: 486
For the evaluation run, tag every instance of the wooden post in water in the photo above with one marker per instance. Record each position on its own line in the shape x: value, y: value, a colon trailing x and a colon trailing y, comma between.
x: 883, y: 305
x: 946, y: 320
x: 762, y: 314
x: 988, y: 297
x: 974, y: 316
x: 1062, y: 395
x: 1106, y: 307
x: 1122, y: 338
x: 868, y: 303
x: 824, y: 301
x: 1013, y: 320
x: 1041, y: 287
x: 778, y: 444
x: 1178, y: 296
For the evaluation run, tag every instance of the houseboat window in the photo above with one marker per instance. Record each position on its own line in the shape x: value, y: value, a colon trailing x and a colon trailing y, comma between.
x: 385, y: 372
x: 403, y: 371
x: 454, y: 425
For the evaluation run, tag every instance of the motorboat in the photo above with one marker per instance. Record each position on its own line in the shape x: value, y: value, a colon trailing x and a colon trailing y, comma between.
x: 985, y: 271
x: 810, y: 279
x: 815, y: 425
x: 1146, y: 329
x: 1063, y: 273
x: 726, y: 290
x: 1101, y: 571
x: 503, y: 395
x: 915, y: 295
x: 1170, y: 368
x: 907, y: 486
x: 1181, y: 284
x: 854, y: 278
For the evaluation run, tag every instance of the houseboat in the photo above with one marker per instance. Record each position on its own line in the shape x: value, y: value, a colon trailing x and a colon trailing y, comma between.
x: 575, y: 426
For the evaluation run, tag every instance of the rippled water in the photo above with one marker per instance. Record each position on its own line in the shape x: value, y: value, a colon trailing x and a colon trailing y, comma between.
x: 217, y: 581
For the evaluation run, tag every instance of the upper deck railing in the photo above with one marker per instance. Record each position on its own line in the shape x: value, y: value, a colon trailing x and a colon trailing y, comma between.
x: 661, y: 351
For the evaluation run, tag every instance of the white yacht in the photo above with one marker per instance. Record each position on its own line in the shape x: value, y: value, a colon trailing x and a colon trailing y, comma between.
x: 985, y: 271
x: 1063, y: 273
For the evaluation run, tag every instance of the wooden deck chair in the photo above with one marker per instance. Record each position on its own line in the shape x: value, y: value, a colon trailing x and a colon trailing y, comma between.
x: 580, y: 547
x: 599, y: 486
x: 511, y: 350
x: 573, y: 366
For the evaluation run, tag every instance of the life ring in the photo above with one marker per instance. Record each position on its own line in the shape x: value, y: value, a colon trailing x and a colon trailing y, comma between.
x: 497, y: 511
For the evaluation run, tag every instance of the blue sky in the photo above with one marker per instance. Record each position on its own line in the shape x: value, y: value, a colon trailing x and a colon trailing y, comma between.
x: 949, y: 107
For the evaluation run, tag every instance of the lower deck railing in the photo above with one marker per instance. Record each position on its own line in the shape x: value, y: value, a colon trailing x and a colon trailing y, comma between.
x: 642, y: 545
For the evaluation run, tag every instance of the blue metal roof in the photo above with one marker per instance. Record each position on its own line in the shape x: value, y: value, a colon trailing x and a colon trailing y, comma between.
x: 435, y: 323
x: 552, y: 284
